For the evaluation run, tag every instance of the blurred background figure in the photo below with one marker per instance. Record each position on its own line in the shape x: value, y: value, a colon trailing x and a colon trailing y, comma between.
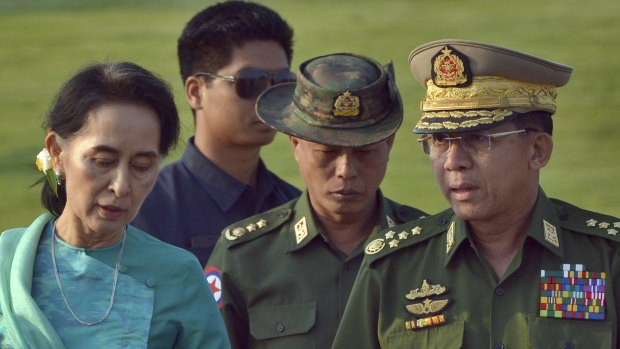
x: 228, y: 54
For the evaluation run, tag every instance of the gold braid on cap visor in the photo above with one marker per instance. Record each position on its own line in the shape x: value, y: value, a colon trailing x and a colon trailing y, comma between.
x: 487, y: 100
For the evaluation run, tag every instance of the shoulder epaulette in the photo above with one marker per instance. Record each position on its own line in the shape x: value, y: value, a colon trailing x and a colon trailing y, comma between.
x: 252, y: 227
x: 406, y: 234
x: 587, y: 222
x: 406, y: 213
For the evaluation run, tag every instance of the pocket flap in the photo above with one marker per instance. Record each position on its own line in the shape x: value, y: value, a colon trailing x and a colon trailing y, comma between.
x: 281, y: 320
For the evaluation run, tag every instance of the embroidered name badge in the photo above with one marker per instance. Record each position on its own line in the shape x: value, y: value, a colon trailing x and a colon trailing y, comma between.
x: 572, y: 293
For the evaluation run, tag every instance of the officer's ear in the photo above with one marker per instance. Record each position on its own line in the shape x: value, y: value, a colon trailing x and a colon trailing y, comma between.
x: 295, y: 144
x: 390, y: 141
x: 193, y: 90
x: 541, y: 146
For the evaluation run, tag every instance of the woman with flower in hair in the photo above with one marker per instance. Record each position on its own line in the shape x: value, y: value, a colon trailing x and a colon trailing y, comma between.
x: 80, y: 275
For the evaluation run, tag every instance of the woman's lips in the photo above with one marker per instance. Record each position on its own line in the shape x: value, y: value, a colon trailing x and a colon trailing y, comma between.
x: 111, y: 212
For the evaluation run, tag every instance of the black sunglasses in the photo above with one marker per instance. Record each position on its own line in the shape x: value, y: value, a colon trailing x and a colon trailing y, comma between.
x: 250, y: 83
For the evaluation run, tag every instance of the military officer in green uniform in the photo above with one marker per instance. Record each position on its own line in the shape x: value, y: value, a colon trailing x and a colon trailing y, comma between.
x: 505, y: 266
x: 283, y: 277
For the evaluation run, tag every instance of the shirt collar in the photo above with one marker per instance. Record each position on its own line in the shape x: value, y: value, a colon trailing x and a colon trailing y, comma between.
x: 222, y: 187
x: 544, y: 227
x: 305, y: 223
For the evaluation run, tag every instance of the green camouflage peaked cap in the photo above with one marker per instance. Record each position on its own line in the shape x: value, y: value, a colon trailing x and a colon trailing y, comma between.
x: 474, y: 86
x: 340, y: 99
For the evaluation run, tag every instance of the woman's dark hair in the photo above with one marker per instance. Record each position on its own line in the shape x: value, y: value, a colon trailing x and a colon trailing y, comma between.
x: 103, y: 83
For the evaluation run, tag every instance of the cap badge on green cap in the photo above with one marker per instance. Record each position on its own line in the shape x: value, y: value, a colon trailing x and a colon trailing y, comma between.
x: 346, y: 104
x: 450, y: 68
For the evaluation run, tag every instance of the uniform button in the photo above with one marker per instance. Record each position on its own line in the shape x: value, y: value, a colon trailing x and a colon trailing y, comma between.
x: 569, y: 345
x: 283, y: 213
x: 280, y: 328
x: 500, y: 292
x: 442, y: 220
x: 499, y: 346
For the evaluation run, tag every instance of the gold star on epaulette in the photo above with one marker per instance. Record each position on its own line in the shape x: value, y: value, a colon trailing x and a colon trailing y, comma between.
x: 591, y: 222
x: 612, y: 232
x: 403, y: 235
x: 617, y: 225
x: 389, y: 235
x: 603, y: 225
x: 416, y: 230
x: 394, y: 243
x: 261, y: 223
x: 251, y: 227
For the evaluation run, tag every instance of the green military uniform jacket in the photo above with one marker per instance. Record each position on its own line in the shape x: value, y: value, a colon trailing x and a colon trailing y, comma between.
x: 283, y: 285
x: 426, y: 272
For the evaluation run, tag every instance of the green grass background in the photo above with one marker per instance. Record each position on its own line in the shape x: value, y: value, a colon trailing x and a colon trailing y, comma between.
x: 43, y: 42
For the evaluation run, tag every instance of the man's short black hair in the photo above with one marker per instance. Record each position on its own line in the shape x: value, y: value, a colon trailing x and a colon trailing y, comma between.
x: 538, y: 120
x: 208, y: 38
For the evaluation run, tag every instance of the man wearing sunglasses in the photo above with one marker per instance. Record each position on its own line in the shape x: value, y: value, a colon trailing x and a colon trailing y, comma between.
x: 505, y: 266
x: 228, y: 54
x: 286, y: 274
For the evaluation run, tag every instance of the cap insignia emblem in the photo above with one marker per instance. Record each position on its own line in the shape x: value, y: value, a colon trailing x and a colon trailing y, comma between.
x: 301, y: 230
x: 551, y: 234
x: 450, y: 68
x: 375, y: 246
x: 346, y: 104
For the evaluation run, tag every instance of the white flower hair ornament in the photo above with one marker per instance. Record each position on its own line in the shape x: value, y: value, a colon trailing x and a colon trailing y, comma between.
x: 44, y: 164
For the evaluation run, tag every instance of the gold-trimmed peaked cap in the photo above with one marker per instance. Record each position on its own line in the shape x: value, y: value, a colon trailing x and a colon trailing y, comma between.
x: 340, y: 99
x: 473, y: 85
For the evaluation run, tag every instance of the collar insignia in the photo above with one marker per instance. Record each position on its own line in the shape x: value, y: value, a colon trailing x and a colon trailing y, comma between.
x: 390, y: 221
x: 427, y: 310
x: 450, y: 68
x: 572, y: 293
x: 346, y: 104
x: 551, y: 234
x: 301, y: 230
x: 450, y: 238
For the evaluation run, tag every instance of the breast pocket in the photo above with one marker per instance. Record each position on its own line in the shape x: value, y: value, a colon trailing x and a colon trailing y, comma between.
x: 448, y: 336
x: 552, y: 333
x: 283, y: 326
